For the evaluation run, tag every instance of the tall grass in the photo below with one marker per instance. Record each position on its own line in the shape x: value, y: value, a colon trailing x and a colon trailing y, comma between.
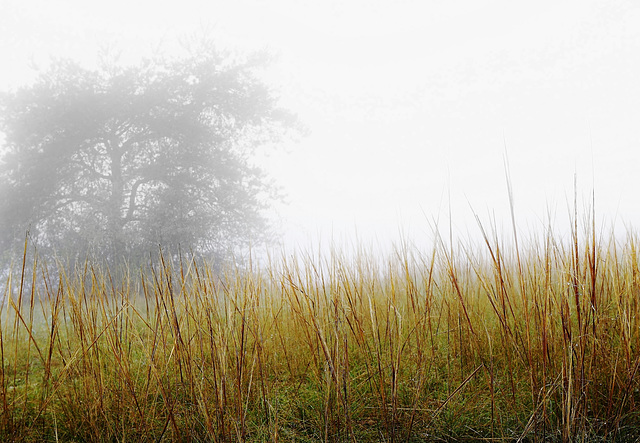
x: 507, y: 340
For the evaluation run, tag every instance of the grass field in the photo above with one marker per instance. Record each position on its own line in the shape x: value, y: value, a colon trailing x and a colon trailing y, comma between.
x: 509, y: 340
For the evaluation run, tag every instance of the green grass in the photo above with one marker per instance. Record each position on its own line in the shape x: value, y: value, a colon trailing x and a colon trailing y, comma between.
x: 507, y: 341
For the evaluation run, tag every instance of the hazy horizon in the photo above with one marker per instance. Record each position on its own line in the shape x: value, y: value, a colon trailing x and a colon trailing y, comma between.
x: 412, y: 107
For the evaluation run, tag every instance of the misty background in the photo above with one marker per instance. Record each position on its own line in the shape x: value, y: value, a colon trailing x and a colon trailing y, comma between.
x: 412, y: 107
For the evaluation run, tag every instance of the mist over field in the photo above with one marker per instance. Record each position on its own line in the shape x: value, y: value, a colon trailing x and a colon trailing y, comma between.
x: 411, y: 108
x: 298, y: 220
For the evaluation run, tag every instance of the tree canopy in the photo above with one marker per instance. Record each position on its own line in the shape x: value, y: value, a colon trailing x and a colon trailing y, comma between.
x: 118, y: 160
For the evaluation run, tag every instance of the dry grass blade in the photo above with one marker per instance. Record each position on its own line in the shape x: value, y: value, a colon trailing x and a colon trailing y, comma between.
x: 331, y: 348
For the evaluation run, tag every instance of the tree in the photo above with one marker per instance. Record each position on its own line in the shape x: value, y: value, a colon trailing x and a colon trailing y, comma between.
x: 119, y: 160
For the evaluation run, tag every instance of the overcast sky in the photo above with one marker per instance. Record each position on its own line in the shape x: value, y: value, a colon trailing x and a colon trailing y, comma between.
x: 412, y: 106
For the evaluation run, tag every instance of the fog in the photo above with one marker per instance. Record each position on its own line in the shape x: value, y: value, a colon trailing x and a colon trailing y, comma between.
x: 415, y: 110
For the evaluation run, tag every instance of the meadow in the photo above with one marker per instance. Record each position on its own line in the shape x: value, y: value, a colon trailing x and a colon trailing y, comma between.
x: 509, y: 339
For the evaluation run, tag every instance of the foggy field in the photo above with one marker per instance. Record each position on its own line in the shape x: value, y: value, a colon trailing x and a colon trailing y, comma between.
x: 460, y: 342
x: 252, y: 221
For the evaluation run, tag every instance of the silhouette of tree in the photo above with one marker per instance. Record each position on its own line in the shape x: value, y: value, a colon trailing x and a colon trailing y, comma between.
x: 119, y: 160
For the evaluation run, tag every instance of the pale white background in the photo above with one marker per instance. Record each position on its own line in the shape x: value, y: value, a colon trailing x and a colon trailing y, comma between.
x: 412, y: 105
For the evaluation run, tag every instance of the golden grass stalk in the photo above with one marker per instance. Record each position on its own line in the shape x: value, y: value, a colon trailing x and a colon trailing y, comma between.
x: 505, y: 340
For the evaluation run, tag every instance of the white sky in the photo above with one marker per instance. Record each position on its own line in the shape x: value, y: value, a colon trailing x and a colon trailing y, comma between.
x: 410, y: 103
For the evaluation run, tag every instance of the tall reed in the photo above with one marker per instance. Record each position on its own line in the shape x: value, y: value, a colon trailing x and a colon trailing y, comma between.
x: 510, y: 339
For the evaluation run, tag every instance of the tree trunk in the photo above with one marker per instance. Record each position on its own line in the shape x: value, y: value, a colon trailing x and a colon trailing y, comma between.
x: 114, y: 220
